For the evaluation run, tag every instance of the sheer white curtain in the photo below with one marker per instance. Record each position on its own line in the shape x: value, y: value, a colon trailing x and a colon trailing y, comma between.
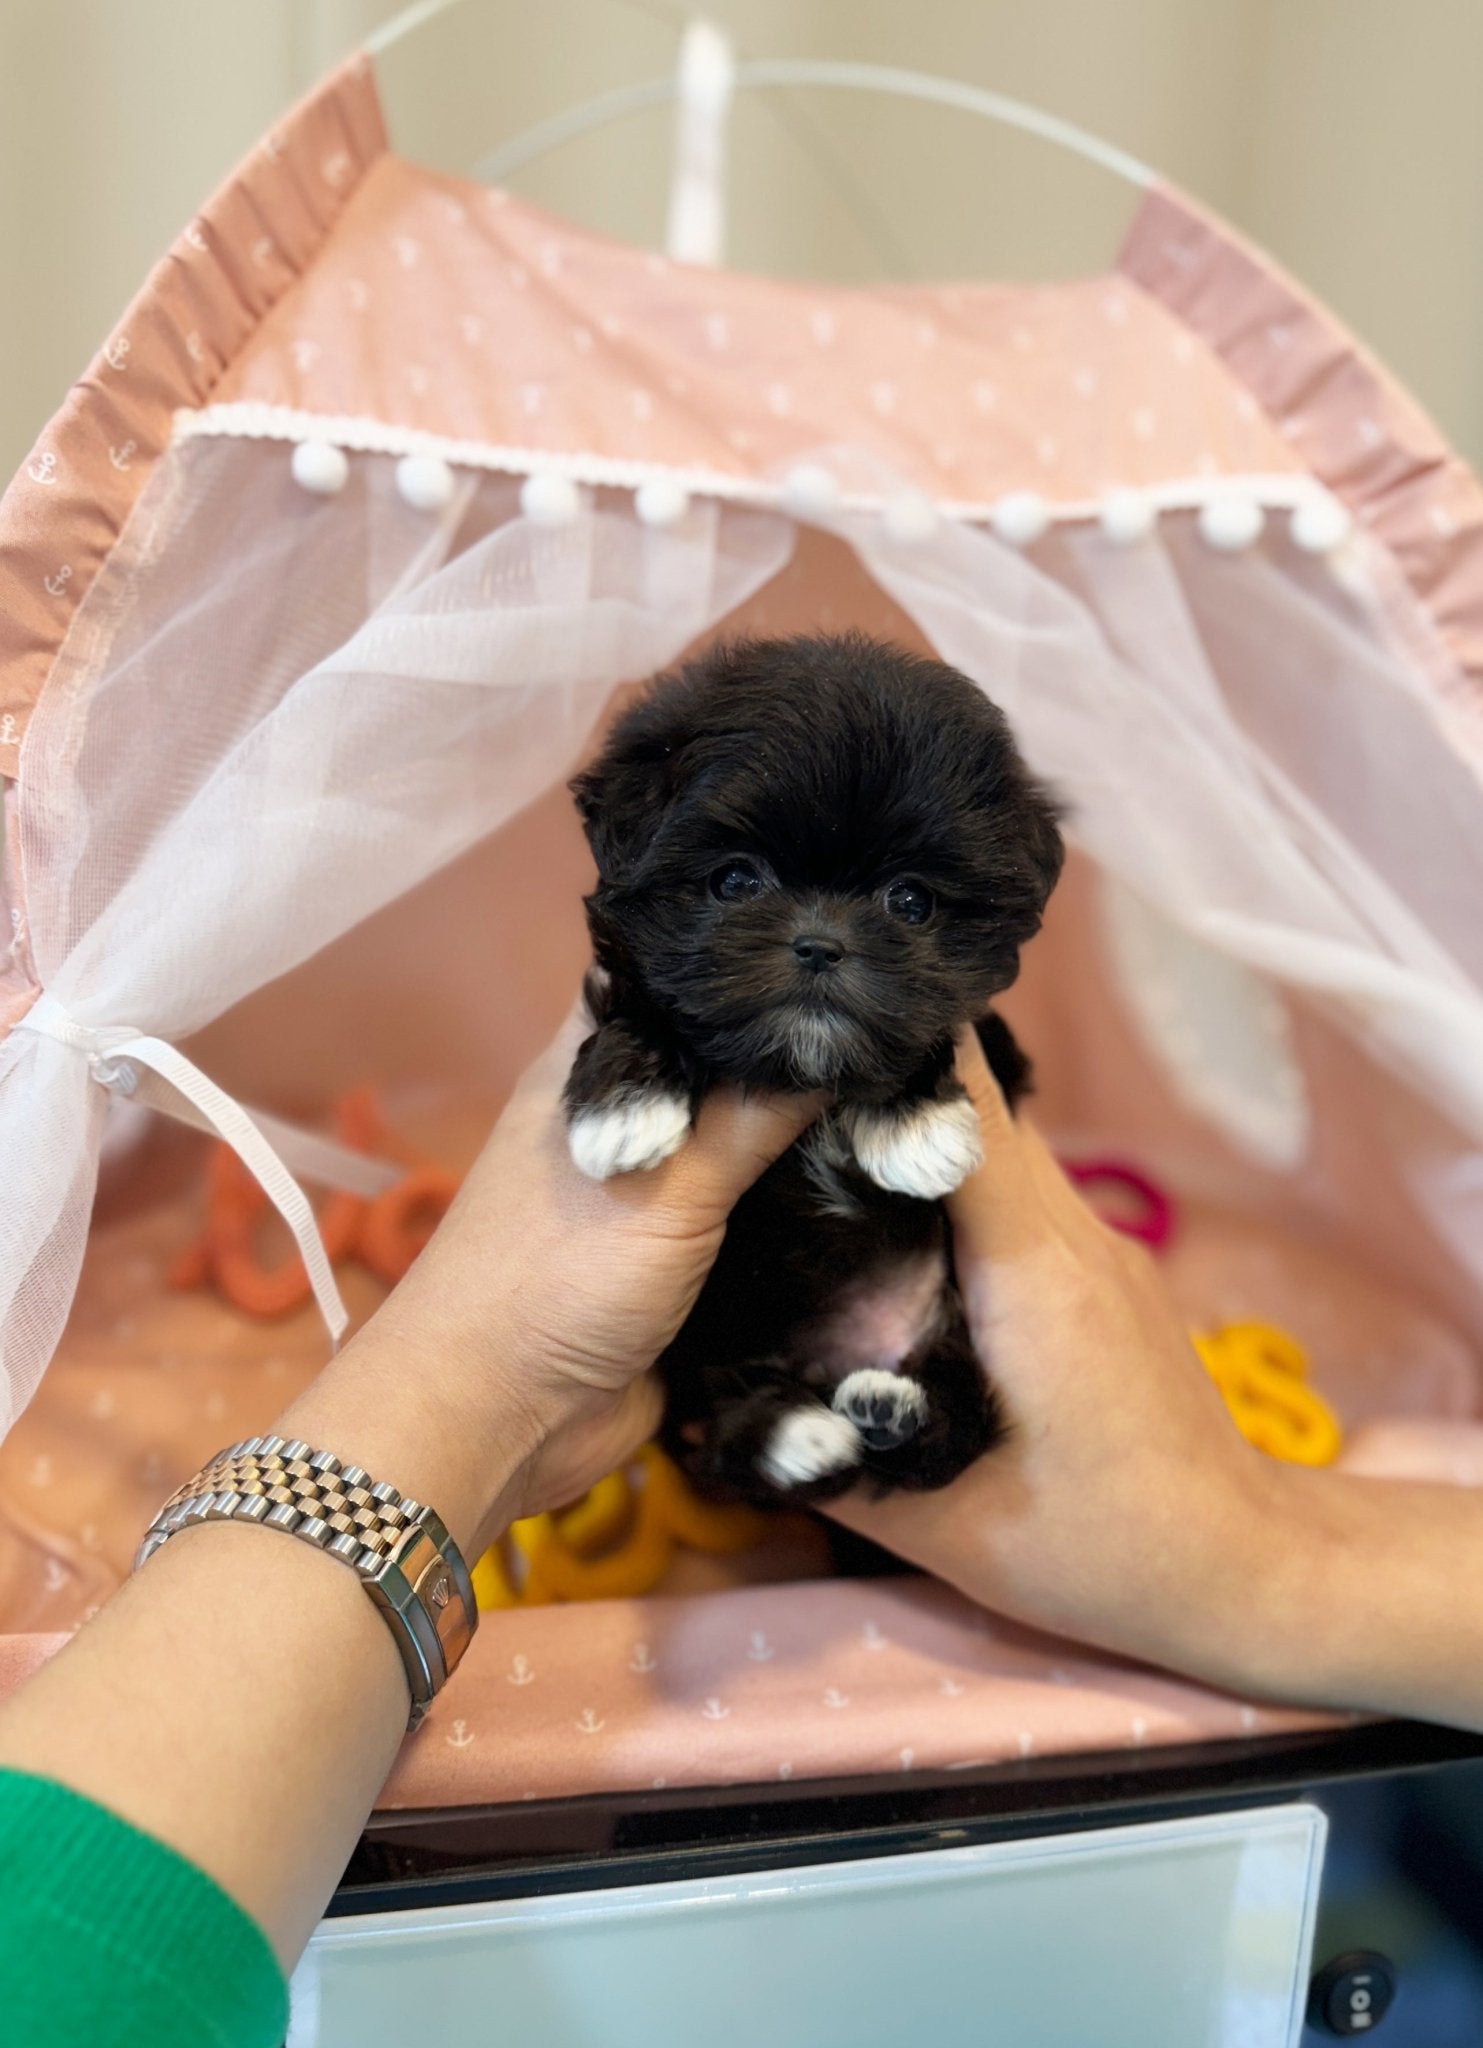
x: 276, y: 713
x: 1238, y: 745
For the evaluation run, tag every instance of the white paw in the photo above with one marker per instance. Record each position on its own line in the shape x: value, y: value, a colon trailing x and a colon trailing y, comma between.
x: 809, y: 1443
x: 927, y: 1151
x: 634, y: 1133
x: 886, y: 1408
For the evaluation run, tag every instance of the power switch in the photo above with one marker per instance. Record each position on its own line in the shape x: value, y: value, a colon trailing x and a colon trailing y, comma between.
x: 1352, y: 1994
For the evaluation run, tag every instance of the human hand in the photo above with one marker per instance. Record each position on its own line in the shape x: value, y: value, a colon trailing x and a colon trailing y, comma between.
x: 526, y: 1329
x: 1124, y: 1508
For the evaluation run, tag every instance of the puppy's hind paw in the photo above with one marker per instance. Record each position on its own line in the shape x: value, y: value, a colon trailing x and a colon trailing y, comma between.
x: 810, y: 1443
x: 925, y: 1149
x: 625, y: 1135
x: 887, y: 1408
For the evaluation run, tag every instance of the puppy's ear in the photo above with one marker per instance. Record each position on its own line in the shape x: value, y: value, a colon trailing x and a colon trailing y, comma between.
x: 624, y: 794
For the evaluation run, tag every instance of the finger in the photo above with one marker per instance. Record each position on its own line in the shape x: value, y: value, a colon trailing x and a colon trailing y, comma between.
x: 642, y: 1412
x: 995, y: 1205
x: 984, y: 1091
x: 1020, y: 1198
x: 633, y: 1419
x: 737, y: 1136
x: 545, y: 1076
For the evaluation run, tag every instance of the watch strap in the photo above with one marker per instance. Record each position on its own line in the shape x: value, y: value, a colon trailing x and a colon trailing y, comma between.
x: 401, y: 1551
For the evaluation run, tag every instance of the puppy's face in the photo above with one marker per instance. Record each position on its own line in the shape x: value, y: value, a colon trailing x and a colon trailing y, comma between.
x: 816, y: 857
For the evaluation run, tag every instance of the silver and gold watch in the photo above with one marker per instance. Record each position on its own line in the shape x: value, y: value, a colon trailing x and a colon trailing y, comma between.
x: 405, y: 1558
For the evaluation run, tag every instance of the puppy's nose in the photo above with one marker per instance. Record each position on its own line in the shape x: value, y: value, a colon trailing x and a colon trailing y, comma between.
x: 816, y: 953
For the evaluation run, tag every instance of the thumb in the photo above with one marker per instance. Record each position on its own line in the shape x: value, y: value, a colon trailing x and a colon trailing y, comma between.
x: 737, y: 1137
x: 1001, y: 1207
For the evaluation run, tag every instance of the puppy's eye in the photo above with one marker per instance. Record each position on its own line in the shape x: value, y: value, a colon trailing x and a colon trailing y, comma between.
x: 736, y: 881
x: 909, y: 901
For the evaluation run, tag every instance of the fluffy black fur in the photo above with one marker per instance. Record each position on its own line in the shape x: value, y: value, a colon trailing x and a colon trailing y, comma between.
x: 817, y: 859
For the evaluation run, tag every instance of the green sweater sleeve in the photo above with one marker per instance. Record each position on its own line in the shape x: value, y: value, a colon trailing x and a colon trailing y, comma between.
x: 108, y: 1936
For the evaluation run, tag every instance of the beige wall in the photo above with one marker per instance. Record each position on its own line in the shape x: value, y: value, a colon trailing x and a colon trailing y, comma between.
x: 1343, y: 134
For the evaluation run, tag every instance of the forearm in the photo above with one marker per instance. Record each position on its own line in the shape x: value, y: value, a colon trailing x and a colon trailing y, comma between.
x: 1369, y: 1599
x: 242, y: 1699
x: 1312, y: 1588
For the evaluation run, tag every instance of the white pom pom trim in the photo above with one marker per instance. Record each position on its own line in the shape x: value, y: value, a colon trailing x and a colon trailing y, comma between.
x: 810, y: 492
x: 662, y: 501
x: 321, y: 467
x: 1231, y: 522
x: 425, y: 482
x: 1320, y: 524
x: 547, y: 499
x: 1020, y: 518
x: 1127, y: 516
x: 909, y: 517
x: 1231, y: 510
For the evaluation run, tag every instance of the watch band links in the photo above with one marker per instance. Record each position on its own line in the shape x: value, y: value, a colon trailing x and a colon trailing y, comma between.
x: 401, y: 1551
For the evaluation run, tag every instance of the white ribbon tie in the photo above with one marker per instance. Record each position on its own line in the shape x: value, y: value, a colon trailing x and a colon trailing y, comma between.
x: 114, y: 1053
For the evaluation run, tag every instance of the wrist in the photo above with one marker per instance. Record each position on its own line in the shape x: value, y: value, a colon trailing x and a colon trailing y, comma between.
x: 460, y: 1440
x: 1274, y: 1585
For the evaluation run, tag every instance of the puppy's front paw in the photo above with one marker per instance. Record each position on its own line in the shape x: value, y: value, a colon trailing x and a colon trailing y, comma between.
x: 631, y: 1132
x: 924, y: 1148
x: 886, y: 1408
x: 810, y: 1443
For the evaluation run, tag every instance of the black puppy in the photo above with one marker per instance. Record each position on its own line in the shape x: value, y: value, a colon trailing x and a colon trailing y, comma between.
x: 817, y: 860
